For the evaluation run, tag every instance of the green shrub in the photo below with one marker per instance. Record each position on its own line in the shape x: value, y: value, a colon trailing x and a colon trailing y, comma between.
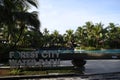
x: 90, y: 48
x: 78, y: 62
x: 86, y: 48
x: 16, y: 72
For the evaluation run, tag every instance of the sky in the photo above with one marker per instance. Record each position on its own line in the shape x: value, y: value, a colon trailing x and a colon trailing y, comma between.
x: 62, y: 15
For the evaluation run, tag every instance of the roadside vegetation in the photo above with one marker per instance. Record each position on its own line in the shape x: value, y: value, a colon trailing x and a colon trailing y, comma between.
x: 44, y: 71
x: 20, y: 29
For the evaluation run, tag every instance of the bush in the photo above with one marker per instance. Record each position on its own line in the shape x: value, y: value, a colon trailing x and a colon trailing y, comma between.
x: 86, y: 48
x: 16, y: 72
x: 78, y: 62
x: 90, y: 48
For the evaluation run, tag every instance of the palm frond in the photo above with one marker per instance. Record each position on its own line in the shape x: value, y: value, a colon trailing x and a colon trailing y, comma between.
x: 30, y: 19
x: 33, y: 2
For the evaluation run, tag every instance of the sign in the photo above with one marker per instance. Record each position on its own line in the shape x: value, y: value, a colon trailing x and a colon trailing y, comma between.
x: 34, y: 59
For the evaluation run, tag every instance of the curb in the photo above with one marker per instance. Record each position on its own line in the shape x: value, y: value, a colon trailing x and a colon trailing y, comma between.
x: 52, y: 76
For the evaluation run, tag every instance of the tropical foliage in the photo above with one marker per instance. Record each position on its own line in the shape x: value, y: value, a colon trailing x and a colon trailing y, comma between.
x: 19, y: 28
x: 15, y: 24
x: 88, y: 36
x: 15, y: 20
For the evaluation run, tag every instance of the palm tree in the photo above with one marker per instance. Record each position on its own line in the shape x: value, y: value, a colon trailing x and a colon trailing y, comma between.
x: 9, y: 8
x: 46, y: 38
x: 31, y: 21
x: 69, y: 37
x: 112, y: 33
x: 88, y: 33
x: 98, y: 33
x: 14, y: 14
x: 79, y: 36
x: 55, y: 39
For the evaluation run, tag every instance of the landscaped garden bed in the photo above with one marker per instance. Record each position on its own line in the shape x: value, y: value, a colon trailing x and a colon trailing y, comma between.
x: 39, y: 71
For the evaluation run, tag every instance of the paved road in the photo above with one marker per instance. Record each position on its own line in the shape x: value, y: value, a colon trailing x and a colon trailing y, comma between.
x: 95, y: 66
x: 108, y: 76
x: 102, y: 66
x: 98, y: 66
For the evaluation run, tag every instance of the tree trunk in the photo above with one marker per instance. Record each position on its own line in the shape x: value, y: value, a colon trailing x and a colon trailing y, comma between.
x: 21, y: 31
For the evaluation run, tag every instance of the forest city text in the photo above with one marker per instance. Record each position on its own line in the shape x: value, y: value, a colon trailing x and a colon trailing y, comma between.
x: 34, y: 59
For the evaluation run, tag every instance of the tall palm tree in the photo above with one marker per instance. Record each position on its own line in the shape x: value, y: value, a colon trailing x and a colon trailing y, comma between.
x: 55, y: 35
x: 88, y: 32
x: 9, y: 8
x: 14, y: 14
x: 69, y: 37
x: 98, y: 33
x: 79, y: 36
x: 46, y: 37
x: 112, y: 33
x: 26, y: 19
x: 56, y: 38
